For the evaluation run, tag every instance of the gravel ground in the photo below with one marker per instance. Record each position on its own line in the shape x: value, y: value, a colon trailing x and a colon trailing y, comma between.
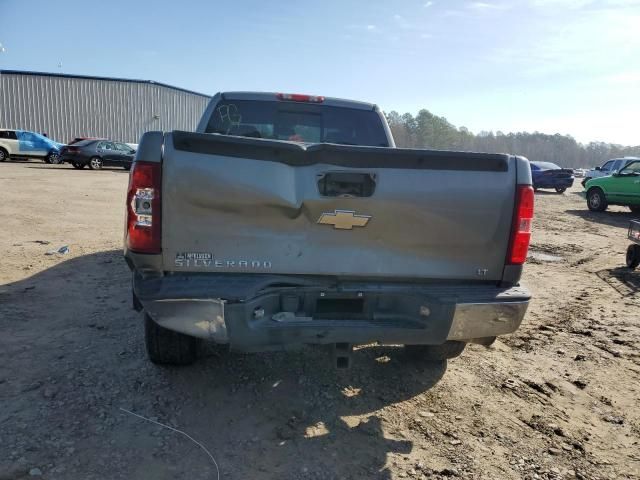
x: 558, y: 399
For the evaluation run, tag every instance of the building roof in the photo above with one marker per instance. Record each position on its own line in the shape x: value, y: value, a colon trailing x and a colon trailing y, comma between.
x: 90, y: 77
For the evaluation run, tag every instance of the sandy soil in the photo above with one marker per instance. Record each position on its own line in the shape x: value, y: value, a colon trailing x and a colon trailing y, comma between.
x: 558, y: 399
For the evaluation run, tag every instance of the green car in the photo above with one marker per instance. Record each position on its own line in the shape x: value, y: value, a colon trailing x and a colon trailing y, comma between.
x: 621, y: 188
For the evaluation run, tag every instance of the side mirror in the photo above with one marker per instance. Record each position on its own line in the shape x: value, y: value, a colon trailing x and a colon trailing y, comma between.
x: 598, y: 169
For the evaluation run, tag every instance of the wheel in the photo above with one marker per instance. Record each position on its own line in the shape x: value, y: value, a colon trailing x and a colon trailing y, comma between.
x: 435, y: 353
x: 79, y: 166
x: 167, y: 347
x: 633, y: 256
x: 561, y: 190
x: 4, y: 155
x: 53, y: 158
x: 95, y: 163
x: 634, y: 208
x: 127, y: 167
x: 596, y: 200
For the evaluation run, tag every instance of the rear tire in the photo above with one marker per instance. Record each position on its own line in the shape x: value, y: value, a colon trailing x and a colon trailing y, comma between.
x: 4, y: 155
x: 95, y: 163
x: 633, y: 256
x: 561, y: 190
x: 596, y: 200
x: 435, y: 353
x: 634, y: 208
x: 166, y: 347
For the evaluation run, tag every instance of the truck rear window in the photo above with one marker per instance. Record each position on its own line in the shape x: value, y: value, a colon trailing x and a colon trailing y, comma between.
x: 310, y: 123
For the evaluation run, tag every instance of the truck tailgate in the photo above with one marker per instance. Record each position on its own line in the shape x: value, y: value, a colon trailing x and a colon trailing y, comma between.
x: 232, y: 204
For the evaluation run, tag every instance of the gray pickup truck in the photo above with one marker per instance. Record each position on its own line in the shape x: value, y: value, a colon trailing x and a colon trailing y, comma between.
x: 287, y: 220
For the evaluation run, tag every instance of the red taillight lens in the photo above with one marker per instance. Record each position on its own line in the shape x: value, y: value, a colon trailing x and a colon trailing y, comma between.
x: 144, y: 217
x: 297, y: 97
x: 522, y: 218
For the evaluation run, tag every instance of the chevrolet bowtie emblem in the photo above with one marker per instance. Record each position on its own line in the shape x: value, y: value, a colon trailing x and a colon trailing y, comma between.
x: 344, y: 219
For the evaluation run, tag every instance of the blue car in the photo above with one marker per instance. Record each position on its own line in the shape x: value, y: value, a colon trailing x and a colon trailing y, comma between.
x: 24, y: 144
x: 550, y: 175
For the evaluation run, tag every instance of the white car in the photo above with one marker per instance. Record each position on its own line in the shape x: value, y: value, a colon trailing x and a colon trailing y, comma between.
x: 608, y: 168
x: 23, y: 144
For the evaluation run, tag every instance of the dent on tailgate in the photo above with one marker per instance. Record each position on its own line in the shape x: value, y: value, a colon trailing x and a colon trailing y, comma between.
x: 250, y: 205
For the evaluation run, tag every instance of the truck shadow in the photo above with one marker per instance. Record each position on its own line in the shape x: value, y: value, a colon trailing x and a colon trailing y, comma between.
x: 302, y: 408
x: 611, y: 218
x: 272, y: 415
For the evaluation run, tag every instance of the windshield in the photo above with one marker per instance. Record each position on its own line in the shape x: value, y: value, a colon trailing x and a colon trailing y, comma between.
x: 631, y: 168
x: 35, y: 140
x: 309, y: 123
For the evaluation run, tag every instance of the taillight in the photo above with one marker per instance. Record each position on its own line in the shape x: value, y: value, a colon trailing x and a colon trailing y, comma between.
x: 144, y: 218
x: 297, y: 97
x: 521, y: 228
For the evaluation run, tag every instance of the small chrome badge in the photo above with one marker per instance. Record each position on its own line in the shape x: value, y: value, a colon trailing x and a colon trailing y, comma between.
x: 344, y: 219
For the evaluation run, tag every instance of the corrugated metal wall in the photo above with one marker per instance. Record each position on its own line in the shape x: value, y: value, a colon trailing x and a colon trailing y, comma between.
x: 68, y: 107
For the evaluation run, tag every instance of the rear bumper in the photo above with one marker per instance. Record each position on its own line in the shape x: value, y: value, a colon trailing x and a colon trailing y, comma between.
x: 549, y: 183
x: 253, y: 316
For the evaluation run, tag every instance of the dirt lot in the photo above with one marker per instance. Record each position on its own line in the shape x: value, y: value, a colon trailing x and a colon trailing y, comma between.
x: 558, y: 399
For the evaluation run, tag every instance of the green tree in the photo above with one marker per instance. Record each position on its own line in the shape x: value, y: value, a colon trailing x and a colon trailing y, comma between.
x: 427, y: 130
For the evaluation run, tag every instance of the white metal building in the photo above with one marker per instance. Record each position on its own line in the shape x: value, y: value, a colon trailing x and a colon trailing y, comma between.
x: 68, y: 106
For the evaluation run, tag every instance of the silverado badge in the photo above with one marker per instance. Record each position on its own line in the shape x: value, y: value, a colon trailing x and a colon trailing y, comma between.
x: 344, y: 219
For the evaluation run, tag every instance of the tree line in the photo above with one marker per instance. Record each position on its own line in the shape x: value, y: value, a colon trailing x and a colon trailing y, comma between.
x: 426, y: 130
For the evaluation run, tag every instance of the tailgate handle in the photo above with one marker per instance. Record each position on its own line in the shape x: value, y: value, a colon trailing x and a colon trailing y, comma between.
x: 346, y: 184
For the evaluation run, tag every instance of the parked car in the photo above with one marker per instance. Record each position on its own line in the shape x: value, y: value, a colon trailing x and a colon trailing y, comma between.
x: 25, y: 144
x: 620, y: 188
x: 579, y: 172
x: 609, y: 167
x: 282, y: 222
x: 96, y: 154
x: 550, y: 175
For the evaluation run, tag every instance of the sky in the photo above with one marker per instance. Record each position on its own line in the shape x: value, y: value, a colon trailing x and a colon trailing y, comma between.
x: 554, y: 66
